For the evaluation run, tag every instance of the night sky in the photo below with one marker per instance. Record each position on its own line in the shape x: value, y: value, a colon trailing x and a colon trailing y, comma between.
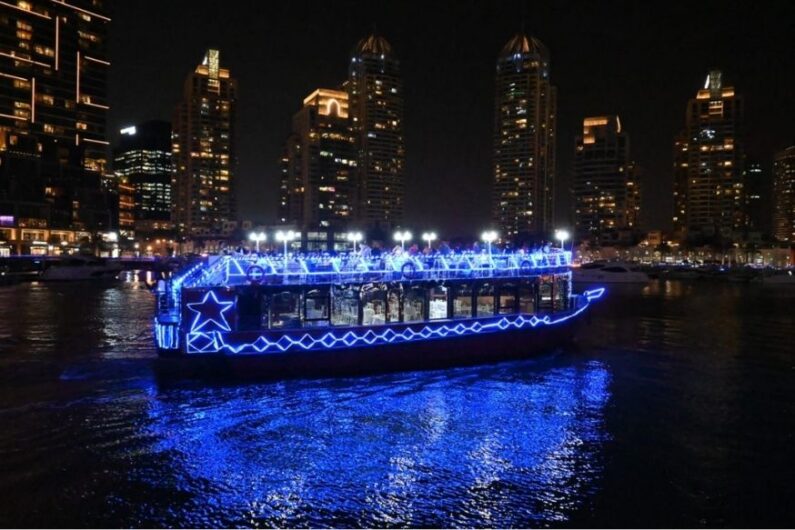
x: 642, y: 60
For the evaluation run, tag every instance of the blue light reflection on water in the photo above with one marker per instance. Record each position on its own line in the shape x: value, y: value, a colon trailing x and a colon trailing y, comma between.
x: 676, y: 410
x: 492, y: 446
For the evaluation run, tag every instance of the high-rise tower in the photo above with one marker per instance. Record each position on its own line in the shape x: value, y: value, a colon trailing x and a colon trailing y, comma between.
x: 524, y: 140
x: 203, y: 147
x: 375, y: 92
x: 53, y: 106
x: 54, y: 63
x: 319, y: 164
x: 142, y: 161
x: 708, y: 164
x: 784, y: 195
x: 606, y: 193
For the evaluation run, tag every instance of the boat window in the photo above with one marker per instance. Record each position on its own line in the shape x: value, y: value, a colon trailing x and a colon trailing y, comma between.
x: 561, y: 292
x: 507, y: 298
x: 462, y: 301
x: 249, y: 305
x: 345, y: 305
x: 527, y: 297
x: 286, y: 310
x: 316, y: 307
x: 264, y: 311
x: 437, y: 308
x: 545, y: 293
x: 414, y: 304
x: 485, y: 300
x: 374, y: 304
x: 393, y: 305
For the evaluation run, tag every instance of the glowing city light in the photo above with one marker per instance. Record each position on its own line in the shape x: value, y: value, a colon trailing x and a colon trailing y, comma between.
x: 429, y: 237
x: 354, y: 237
x: 402, y: 236
x: 286, y: 238
x: 562, y: 236
x: 257, y: 238
x: 489, y: 237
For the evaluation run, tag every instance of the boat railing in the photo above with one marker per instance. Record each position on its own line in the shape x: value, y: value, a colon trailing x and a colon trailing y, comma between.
x: 241, y: 269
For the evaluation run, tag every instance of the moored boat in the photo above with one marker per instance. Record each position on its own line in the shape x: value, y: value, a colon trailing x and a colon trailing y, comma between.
x: 600, y: 273
x: 305, y: 314
x: 81, y: 268
x: 778, y: 279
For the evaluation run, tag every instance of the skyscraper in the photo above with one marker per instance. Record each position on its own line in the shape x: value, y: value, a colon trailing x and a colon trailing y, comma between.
x: 54, y: 69
x: 53, y: 106
x: 203, y: 146
x: 524, y: 140
x: 142, y: 162
x: 375, y: 92
x: 708, y: 164
x: 757, y: 193
x: 784, y: 195
x: 606, y: 193
x: 320, y: 163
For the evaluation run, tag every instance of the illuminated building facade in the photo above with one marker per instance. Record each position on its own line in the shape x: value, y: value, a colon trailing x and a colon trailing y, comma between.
x: 203, y: 147
x: 142, y: 163
x: 784, y: 195
x: 53, y: 106
x: 290, y: 189
x: 320, y: 163
x: 708, y: 164
x: 375, y: 91
x: 524, y: 140
x: 757, y: 193
x: 606, y: 193
x: 53, y: 74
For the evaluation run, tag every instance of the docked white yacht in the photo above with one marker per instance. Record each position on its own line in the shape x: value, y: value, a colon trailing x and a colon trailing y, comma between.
x: 599, y: 272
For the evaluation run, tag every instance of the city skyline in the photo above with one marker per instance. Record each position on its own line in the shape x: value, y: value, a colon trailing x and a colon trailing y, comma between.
x: 449, y: 109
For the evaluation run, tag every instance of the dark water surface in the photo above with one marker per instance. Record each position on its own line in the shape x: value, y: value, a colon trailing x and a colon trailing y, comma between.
x: 677, y: 409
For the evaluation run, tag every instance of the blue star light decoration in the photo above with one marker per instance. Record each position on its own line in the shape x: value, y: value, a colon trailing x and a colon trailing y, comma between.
x: 210, y: 314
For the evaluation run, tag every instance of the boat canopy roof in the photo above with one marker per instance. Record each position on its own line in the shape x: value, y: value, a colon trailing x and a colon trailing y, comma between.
x: 244, y: 269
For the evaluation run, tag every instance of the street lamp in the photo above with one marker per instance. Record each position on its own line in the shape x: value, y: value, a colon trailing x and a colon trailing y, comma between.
x: 562, y: 236
x: 355, y: 237
x: 257, y: 237
x: 403, y: 236
x: 285, y: 237
x: 489, y: 237
x: 429, y: 237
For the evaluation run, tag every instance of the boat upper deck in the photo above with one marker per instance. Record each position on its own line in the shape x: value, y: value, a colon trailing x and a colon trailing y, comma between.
x: 243, y: 269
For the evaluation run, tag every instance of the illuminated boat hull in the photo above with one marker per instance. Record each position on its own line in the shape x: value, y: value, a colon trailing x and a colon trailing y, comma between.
x: 252, y: 315
x: 350, y: 350
x: 418, y: 355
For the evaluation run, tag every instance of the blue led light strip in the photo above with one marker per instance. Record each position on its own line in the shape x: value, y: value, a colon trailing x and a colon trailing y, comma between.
x: 166, y: 336
x: 216, y: 342
x: 234, y: 270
